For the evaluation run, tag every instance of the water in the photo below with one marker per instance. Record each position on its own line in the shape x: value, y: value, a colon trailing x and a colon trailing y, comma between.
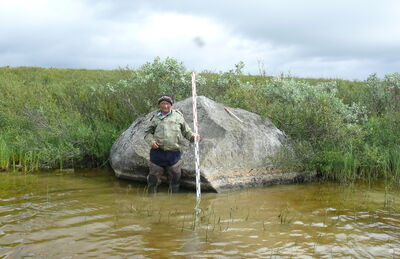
x: 92, y: 214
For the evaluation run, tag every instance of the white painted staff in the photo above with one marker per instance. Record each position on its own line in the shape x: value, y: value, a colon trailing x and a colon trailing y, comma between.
x: 196, y: 139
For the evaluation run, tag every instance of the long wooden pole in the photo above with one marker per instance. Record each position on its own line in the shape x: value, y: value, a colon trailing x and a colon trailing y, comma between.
x: 196, y: 140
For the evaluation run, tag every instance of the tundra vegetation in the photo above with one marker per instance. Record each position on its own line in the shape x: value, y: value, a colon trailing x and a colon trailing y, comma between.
x: 58, y: 118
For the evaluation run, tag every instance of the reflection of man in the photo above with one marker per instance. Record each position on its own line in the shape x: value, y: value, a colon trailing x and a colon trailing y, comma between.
x: 165, y: 134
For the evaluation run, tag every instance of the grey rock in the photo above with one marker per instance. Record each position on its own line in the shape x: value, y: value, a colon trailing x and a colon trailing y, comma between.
x: 237, y: 149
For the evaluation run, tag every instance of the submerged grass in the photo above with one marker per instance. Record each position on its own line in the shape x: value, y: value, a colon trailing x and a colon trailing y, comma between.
x: 60, y: 118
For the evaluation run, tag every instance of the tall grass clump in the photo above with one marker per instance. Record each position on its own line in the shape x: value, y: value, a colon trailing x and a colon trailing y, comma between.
x: 5, y: 154
x: 49, y: 116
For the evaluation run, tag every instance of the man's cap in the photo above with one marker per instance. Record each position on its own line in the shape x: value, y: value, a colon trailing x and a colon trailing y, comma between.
x: 166, y: 98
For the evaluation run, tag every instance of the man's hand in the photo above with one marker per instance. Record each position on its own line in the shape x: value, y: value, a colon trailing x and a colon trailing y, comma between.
x: 155, y: 145
x: 196, y: 137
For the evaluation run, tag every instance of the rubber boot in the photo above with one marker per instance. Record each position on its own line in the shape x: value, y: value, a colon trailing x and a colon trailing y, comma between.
x: 152, y: 183
x: 175, y: 176
x: 175, y: 188
x: 154, y: 177
x: 152, y: 189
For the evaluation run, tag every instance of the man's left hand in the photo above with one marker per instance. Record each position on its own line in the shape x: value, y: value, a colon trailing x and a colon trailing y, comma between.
x: 196, y: 137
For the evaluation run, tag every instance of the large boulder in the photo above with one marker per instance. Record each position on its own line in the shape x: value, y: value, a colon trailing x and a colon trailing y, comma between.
x: 237, y: 149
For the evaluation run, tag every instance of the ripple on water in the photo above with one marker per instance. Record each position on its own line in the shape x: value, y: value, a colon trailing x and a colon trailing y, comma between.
x: 99, y: 216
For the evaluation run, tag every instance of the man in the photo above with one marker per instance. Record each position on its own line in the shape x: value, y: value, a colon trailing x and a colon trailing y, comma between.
x: 165, y: 134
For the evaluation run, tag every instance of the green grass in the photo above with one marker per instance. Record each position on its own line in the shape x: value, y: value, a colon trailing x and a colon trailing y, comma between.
x: 53, y: 118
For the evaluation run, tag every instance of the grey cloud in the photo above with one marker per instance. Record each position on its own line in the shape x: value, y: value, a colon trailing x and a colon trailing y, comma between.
x: 313, y: 37
x: 334, y: 27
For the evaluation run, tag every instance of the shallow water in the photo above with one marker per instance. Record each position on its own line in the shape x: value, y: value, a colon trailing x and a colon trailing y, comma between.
x: 93, y: 214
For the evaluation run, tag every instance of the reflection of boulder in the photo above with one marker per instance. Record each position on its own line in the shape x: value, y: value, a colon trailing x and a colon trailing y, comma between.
x: 234, y: 153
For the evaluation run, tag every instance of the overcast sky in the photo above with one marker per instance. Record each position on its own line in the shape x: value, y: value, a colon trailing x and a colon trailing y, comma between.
x: 308, y: 38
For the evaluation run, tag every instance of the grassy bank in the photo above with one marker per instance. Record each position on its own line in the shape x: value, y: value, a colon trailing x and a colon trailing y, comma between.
x: 345, y: 130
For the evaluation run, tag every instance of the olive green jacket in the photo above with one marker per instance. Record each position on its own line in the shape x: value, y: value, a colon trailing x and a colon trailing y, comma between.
x: 168, y: 131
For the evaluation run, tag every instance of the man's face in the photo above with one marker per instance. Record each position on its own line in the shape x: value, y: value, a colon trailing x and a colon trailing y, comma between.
x: 165, y: 107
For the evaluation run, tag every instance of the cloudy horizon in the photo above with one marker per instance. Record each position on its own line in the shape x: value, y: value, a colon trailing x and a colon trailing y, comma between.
x: 309, y: 38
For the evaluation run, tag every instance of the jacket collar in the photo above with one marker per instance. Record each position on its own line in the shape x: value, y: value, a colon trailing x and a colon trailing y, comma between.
x: 162, y: 116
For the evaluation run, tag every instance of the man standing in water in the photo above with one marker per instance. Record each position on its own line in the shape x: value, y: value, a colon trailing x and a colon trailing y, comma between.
x: 164, y: 135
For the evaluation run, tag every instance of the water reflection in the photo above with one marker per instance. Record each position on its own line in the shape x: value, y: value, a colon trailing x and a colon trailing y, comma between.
x: 90, y: 213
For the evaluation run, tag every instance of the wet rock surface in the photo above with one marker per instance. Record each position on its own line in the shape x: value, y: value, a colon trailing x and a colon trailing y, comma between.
x: 237, y: 149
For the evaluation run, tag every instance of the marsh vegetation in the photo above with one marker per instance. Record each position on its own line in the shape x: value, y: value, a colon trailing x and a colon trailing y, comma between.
x: 59, y: 118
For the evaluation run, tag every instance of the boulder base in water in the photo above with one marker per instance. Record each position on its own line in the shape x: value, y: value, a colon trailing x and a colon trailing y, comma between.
x: 234, y: 152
